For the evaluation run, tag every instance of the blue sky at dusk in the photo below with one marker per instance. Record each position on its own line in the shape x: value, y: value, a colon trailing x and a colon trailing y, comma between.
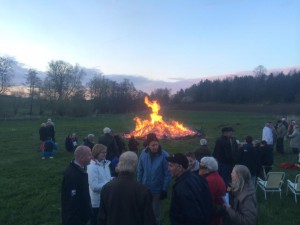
x: 158, y: 39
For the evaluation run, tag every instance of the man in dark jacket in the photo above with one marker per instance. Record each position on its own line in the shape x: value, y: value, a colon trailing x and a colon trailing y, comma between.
x: 109, y: 141
x: 75, y: 197
x: 191, y: 201
x: 124, y: 201
x: 227, y: 154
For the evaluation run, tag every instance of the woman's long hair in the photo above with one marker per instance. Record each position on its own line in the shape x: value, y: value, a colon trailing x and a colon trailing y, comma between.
x: 244, y: 178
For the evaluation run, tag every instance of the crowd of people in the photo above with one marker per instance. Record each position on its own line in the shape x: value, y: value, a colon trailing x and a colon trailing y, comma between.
x: 107, y: 184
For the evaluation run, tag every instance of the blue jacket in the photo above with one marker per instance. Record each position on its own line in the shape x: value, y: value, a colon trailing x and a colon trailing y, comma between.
x: 153, y: 170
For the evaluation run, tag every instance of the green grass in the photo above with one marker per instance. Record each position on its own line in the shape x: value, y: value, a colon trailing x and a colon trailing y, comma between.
x: 30, y: 187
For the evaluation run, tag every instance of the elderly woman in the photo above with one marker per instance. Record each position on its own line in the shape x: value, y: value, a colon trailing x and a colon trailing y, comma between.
x: 209, y: 169
x: 243, y: 209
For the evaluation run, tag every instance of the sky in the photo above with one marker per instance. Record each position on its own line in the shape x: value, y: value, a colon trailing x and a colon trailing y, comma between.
x: 158, y: 39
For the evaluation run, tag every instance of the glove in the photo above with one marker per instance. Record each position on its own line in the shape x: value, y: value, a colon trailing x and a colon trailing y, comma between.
x: 163, y: 195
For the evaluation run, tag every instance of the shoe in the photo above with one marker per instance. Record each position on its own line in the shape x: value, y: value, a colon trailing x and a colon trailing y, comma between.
x: 43, y: 157
x: 51, y: 157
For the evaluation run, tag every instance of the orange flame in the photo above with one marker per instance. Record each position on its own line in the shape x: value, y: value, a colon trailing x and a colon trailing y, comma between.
x: 157, y: 125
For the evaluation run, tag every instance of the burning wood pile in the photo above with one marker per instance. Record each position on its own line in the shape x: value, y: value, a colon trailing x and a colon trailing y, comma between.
x: 157, y: 125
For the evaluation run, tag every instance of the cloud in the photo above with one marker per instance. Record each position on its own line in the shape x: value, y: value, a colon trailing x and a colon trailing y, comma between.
x: 143, y: 83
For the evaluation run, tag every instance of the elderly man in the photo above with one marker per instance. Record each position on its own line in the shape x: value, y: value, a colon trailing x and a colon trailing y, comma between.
x: 75, y: 197
x: 124, y: 200
x: 109, y: 141
x: 191, y: 201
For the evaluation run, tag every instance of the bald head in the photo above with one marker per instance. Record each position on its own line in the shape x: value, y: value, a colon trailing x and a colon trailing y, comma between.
x: 83, y: 155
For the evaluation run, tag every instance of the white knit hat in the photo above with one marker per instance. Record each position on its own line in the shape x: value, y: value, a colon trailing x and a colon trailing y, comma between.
x: 106, y: 130
x: 203, y: 141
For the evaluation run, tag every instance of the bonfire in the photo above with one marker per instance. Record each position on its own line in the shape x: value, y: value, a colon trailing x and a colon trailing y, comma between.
x: 157, y: 125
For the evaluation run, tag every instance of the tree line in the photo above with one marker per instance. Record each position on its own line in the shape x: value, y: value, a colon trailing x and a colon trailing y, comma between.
x: 261, y: 88
x: 62, y: 91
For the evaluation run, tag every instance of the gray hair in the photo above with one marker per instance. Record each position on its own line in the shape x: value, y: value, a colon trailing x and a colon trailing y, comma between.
x: 91, y: 137
x: 210, y: 163
x: 80, y: 151
x: 128, y: 162
x: 244, y: 178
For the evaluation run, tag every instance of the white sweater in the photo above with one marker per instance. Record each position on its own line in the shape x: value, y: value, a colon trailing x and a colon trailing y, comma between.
x: 99, y: 175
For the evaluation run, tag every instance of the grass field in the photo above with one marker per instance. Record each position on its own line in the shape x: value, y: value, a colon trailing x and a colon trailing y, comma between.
x: 30, y: 187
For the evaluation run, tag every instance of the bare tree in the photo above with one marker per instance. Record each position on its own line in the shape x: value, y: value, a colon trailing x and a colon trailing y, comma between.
x: 34, y: 83
x: 162, y: 95
x: 63, y: 80
x: 260, y: 70
x: 6, y: 73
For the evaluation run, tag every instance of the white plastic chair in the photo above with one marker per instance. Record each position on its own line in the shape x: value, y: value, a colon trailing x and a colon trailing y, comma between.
x: 294, y: 187
x: 272, y: 183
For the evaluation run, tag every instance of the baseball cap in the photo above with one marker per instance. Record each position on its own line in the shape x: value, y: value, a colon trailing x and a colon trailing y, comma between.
x: 180, y: 159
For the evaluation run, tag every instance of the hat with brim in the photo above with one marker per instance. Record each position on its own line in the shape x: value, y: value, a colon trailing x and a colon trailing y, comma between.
x: 227, y: 129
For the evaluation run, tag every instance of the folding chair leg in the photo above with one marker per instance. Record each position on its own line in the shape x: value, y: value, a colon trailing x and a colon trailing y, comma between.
x: 265, y: 196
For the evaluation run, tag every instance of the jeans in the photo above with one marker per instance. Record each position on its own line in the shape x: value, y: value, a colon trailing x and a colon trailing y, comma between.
x: 156, y: 204
x: 47, y: 154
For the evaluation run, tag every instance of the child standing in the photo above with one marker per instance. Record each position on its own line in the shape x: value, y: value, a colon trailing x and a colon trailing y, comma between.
x: 49, y: 148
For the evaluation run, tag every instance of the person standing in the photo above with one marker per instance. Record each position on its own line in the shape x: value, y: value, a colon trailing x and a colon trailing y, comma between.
x: 89, y: 141
x: 226, y: 153
x: 99, y: 174
x: 75, y: 197
x: 295, y: 139
x: 153, y: 172
x: 50, y: 131
x: 193, y: 162
x: 243, y: 208
x: 109, y: 141
x: 267, y: 135
x: 43, y: 135
x: 281, y: 132
x: 203, y: 150
x: 191, y: 201
x: 48, y: 149
x: 249, y: 157
x: 124, y: 201
x: 209, y: 170
x: 265, y: 158
x: 71, y: 142
x: 133, y: 144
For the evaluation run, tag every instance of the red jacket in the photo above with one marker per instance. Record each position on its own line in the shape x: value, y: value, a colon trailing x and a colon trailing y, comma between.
x: 218, y: 189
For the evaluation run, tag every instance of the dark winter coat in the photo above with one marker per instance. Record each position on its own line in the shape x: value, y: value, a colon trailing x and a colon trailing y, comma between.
x: 43, y: 133
x: 50, y: 132
x: 89, y: 144
x: 226, y: 151
x: 112, y: 148
x: 249, y: 158
x: 191, y: 202
x: 69, y: 144
x: 124, y: 201
x: 75, y: 197
x: 133, y: 145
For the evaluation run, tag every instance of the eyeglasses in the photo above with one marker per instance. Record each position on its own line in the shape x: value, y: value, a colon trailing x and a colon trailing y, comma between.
x: 202, y: 167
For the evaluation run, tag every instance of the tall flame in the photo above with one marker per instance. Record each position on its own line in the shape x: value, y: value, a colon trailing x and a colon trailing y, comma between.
x: 157, y: 125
